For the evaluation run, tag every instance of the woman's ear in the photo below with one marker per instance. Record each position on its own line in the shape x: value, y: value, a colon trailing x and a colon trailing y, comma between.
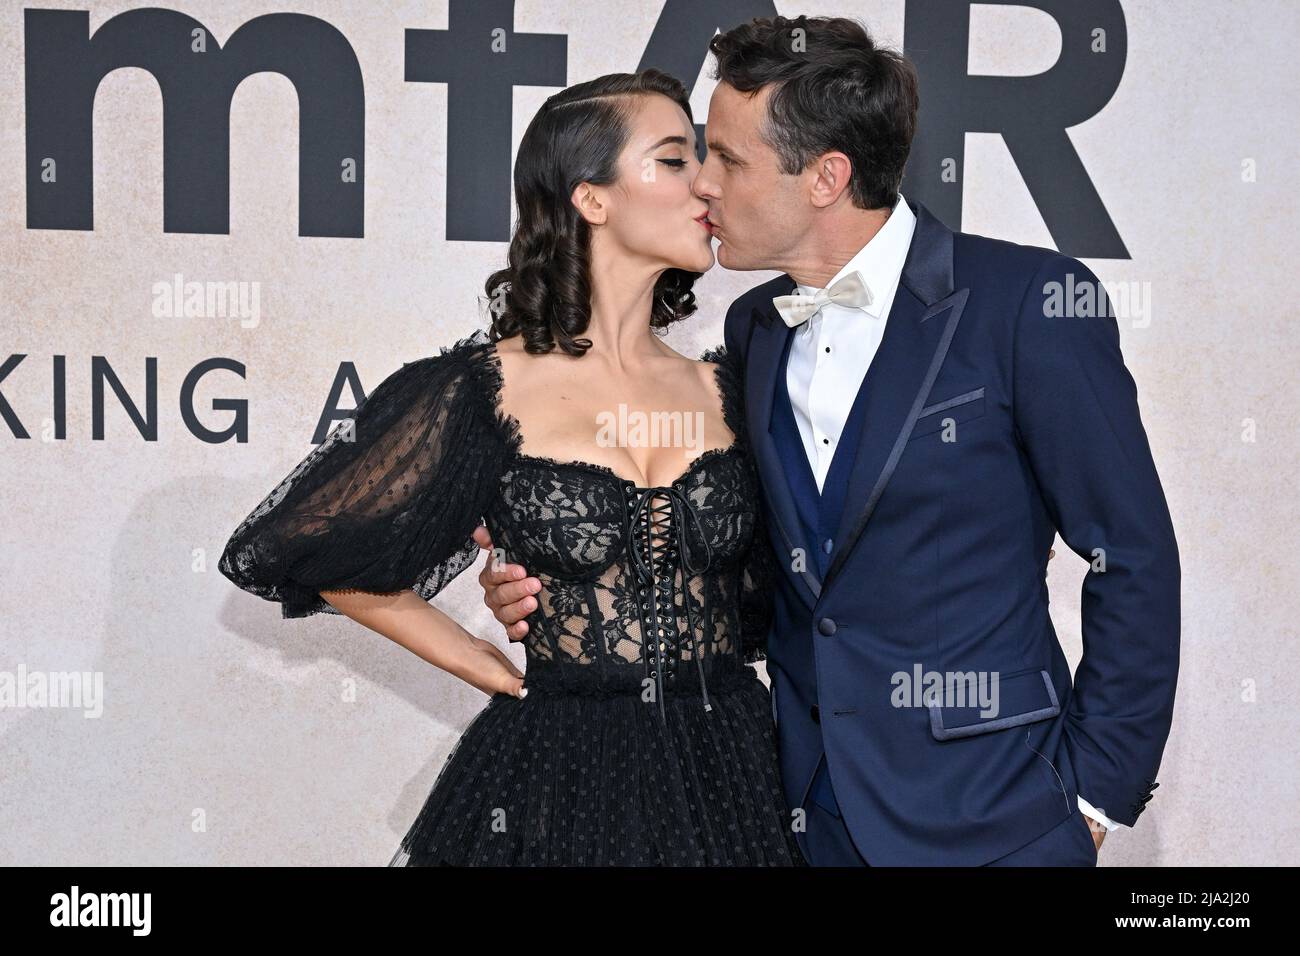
x: 588, y: 203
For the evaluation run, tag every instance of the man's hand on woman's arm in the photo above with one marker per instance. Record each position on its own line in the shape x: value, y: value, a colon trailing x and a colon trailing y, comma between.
x: 507, y: 589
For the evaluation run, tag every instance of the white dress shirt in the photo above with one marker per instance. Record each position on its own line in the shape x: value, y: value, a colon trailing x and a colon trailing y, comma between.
x: 832, y: 351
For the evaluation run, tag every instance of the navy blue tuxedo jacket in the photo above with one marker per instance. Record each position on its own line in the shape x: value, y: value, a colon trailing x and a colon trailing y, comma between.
x: 985, y: 424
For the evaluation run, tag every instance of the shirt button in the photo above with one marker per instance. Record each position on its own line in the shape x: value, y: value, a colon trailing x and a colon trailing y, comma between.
x: 826, y: 441
x: 826, y: 626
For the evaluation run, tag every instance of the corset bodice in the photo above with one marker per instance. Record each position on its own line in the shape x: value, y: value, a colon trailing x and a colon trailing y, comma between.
x: 640, y: 585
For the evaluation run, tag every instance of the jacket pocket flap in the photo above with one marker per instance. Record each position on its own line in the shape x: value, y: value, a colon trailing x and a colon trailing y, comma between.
x: 1020, y: 698
x: 960, y: 408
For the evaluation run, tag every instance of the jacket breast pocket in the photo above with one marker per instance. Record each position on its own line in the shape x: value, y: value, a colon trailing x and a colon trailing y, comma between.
x: 1023, y: 697
x: 960, y: 408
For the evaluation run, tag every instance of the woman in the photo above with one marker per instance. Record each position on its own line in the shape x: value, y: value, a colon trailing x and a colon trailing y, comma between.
x: 638, y: 735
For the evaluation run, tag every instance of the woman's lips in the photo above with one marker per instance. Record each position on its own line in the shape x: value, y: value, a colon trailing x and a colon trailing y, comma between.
x: 704, y: 221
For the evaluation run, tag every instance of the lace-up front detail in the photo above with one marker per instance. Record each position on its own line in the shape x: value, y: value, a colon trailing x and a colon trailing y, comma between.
x: 660, y: 549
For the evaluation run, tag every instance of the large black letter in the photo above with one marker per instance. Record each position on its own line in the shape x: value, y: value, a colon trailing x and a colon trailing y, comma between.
x: 482, y: 60
x: 65, y: 67
x: 1031, y: 112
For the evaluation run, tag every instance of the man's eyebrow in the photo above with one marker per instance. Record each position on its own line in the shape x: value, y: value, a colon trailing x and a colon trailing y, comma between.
x: 716, y: 147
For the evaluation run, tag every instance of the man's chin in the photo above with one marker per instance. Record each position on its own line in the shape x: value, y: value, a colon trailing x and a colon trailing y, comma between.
x: 728, y: 260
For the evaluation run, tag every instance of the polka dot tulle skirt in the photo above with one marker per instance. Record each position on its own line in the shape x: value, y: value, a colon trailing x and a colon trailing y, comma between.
x: 564, y: 777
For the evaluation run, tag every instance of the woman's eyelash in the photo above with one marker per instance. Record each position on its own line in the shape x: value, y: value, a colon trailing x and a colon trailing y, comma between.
x: 679, y: 163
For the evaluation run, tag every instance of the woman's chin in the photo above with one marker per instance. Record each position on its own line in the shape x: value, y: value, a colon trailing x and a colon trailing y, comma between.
x: 702, y: 263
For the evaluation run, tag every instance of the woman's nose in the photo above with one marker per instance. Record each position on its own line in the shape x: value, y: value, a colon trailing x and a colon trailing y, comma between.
x: 699, y: 186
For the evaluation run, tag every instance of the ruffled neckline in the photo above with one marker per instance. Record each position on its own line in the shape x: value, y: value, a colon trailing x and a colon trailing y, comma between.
x: 487, y: 363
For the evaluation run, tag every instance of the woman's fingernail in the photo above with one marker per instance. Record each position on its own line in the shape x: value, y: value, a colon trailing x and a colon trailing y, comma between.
x: 523, y: 692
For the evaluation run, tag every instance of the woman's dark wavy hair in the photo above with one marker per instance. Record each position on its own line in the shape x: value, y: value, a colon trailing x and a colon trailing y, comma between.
x: 544, y: 293
x: 835, y: 90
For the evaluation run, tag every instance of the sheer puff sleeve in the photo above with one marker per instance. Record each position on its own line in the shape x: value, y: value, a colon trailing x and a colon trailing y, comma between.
x: 387, y: 502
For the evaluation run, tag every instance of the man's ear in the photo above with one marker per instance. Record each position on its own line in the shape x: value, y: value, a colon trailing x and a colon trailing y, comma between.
x: 832, y: 172
x: 588, y: 203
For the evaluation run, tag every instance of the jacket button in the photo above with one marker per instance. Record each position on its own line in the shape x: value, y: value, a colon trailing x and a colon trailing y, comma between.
x: 828, y: 546
x: 826, y: 626
x: 816, y: 714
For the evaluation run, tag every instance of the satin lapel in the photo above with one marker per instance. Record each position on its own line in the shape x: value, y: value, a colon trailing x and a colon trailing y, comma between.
x: 765, y: 349
x: 920, y: 327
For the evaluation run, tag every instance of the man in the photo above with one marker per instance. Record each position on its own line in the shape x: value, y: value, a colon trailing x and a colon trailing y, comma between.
x: 927, y: 410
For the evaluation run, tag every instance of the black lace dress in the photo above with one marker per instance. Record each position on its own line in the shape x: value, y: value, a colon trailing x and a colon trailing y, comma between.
x: 645, y: 738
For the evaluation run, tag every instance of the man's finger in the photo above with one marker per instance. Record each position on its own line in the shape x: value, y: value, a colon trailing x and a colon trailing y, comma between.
x: 503, y: 574
x: 492, y: 576
x: 506, y: 585
x: 508, y: 593
x: 517, y: 631
x: 513, y: 611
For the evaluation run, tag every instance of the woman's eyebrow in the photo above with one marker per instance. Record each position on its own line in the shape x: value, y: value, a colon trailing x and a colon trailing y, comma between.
x: 679, y: 140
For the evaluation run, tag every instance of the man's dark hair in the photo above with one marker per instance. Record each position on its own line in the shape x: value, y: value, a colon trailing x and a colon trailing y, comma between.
x: 834, y: 90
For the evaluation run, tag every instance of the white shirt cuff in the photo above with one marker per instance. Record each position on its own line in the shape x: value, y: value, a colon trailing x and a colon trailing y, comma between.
x: 1089, y: 810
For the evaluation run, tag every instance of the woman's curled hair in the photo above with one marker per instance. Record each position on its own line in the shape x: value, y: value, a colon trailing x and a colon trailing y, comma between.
x: 544, y: 292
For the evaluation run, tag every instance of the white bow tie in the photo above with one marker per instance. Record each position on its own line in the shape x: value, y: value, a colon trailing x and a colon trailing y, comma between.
x: 850, y: 291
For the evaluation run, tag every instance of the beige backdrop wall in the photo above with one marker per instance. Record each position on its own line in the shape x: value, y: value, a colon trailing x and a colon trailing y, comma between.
x: 225, y: 735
